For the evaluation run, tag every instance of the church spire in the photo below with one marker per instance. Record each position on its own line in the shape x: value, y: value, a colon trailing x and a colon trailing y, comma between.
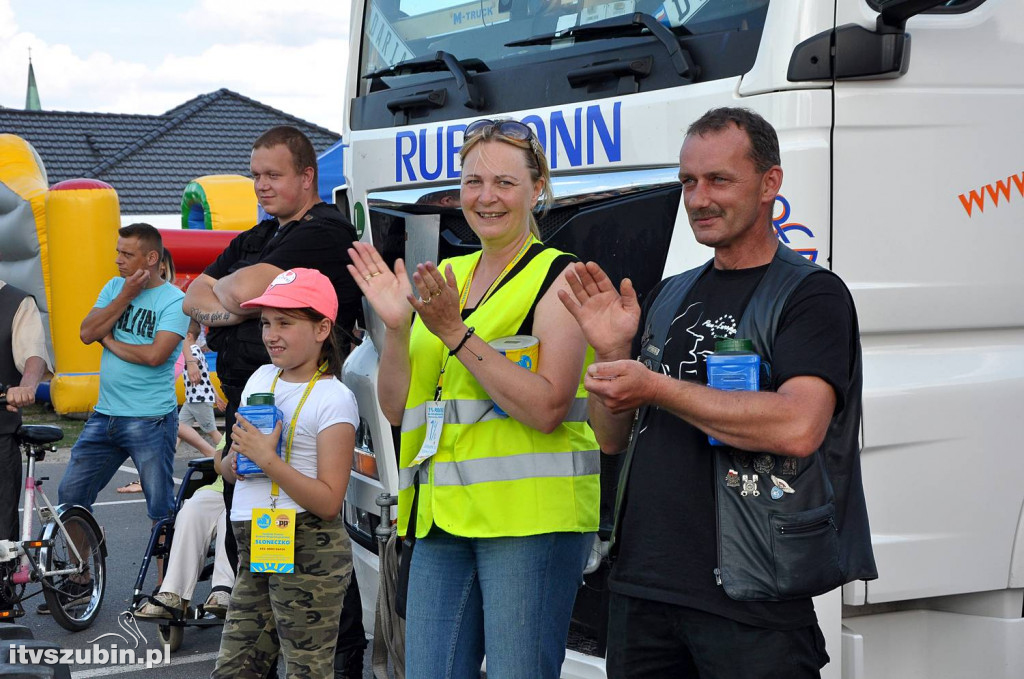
x: 32, y: 94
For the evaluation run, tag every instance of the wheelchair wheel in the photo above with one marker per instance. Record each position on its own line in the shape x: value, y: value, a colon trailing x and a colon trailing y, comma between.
x: 171, y: 636
x: 73, y: 604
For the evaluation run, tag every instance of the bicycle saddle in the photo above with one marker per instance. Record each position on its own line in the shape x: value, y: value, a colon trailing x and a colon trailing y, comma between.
x: 38, y: 433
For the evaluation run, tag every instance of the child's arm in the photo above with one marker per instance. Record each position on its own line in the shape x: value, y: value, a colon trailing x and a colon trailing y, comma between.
x: 192, y: 362
x: 224, y: 464
x: 323, y: 495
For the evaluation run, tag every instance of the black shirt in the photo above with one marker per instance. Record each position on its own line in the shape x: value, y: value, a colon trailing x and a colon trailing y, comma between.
x: 319, y: 240
x: 667, y: 545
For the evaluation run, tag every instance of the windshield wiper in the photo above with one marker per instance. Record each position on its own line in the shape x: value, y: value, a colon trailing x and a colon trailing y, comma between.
x: 437, y: 62
x: 627, y: 25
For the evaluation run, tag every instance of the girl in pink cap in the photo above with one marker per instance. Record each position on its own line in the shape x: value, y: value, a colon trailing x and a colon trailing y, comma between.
x: 298, y: 581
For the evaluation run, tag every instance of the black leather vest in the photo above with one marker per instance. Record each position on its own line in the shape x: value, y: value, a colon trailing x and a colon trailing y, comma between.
x: 10, y: 300
x: 820, y: 538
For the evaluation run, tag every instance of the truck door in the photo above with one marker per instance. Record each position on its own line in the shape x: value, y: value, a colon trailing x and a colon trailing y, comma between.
x: 928, y: 207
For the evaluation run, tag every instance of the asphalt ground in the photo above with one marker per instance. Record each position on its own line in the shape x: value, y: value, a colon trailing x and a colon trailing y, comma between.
x: 128, y: 529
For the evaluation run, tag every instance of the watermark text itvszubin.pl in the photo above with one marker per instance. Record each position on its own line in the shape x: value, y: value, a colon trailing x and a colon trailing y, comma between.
x: 92, y: 655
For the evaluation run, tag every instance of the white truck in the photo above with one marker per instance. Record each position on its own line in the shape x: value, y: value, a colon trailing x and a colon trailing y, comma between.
x: 904, y: 173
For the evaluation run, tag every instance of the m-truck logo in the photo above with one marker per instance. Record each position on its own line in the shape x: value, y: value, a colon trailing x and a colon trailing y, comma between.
x: 996, y: 191
x: 577, y: 137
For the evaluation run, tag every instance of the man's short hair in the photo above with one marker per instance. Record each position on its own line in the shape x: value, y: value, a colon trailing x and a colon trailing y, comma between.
x: 764, y: 142
x: 299, y: 145
x: 147, y: 235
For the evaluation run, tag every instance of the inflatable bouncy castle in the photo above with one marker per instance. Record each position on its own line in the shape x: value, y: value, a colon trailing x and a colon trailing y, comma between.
x: 82, y: 217
x: 57, y: 243
x: 219, y: 202
x: 23, y: 251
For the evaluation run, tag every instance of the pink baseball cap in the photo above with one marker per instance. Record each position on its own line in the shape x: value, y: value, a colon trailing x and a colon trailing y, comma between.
x: 299, y: 289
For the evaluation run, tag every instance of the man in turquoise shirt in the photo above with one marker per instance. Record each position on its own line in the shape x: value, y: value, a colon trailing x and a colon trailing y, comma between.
x: 139, y: 322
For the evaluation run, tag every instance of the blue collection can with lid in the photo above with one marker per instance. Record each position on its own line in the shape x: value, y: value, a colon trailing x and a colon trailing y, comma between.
x: 261, y: 412
x: 734, y: 366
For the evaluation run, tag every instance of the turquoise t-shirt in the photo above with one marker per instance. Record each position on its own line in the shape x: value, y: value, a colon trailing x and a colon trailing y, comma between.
x: 130, y: 389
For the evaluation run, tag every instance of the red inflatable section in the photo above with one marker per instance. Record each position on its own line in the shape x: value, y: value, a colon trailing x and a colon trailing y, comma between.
x: 193, y: 250
x: 80, y: 184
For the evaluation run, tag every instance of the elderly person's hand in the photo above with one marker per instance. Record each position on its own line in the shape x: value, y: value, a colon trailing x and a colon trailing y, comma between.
x: 18, y: 397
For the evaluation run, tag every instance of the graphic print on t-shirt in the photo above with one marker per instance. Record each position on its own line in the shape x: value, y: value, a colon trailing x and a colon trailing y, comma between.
x: 139, y: 322
x: 700, y: 334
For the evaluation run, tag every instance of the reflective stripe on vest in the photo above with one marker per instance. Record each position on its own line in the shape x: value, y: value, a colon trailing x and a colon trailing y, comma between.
x: 494, y: 476
x: 508, y: 468
x: 474, y: 411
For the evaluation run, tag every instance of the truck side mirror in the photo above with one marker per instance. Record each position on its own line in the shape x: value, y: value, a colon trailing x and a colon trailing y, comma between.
x: 852, y: 52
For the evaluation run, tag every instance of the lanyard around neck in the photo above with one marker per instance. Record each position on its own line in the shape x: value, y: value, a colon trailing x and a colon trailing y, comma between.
x: 274, y: 489
x: 464, y: 297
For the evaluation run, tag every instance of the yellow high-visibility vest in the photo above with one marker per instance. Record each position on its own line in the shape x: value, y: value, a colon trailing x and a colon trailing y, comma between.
x: 493, y: 476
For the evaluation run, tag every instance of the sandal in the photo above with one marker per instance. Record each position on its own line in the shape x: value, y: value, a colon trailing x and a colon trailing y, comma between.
x: 131, y: 487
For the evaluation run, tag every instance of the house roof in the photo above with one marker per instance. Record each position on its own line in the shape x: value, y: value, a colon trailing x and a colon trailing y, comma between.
x: 149, y: 159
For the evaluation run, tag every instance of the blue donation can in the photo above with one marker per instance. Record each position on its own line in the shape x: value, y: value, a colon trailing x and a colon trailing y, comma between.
x: 734, y: 366
x: 264, y: 415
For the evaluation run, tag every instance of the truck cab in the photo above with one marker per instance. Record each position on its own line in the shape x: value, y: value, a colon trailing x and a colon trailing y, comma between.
x: 900, y: 130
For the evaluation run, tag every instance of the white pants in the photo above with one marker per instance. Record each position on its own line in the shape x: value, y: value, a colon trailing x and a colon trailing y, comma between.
x: 200, y: 517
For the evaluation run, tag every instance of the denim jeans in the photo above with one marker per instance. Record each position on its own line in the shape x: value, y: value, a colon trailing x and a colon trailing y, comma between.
x: 507, y: 598
x: 106, y: 442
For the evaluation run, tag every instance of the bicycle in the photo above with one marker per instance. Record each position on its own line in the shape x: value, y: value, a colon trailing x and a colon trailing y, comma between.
x: 70, y: 546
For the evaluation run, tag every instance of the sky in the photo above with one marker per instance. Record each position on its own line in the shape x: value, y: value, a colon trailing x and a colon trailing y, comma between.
x: 148, y: 56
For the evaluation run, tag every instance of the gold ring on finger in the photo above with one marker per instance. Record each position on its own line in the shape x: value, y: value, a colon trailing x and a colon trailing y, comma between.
x: 426, y: 301
x: 435, y: 293
x: 375, y: 273
x: 367, y: 277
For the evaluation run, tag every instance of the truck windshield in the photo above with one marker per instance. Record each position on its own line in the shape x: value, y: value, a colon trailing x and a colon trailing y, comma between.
x: 396, y: 31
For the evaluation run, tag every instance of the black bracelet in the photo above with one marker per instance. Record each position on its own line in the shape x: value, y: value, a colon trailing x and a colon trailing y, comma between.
x: 465, y: 338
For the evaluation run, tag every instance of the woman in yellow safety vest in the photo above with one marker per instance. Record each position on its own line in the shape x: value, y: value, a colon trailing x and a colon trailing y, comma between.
x: 499, y: 470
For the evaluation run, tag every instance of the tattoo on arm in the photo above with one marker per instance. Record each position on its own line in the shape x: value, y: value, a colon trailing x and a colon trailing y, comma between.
x: 207, y: 317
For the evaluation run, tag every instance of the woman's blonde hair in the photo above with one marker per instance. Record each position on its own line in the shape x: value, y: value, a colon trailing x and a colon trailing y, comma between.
x: 533, y: 154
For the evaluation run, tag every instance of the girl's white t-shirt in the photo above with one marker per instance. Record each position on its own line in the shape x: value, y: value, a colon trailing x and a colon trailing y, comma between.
x: 329, y: 402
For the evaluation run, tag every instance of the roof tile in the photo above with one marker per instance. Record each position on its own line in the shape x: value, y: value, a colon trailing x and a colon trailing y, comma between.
x: 150, y: 158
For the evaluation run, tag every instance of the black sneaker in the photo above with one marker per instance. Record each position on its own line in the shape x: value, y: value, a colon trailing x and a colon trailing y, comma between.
x: 71, y: 594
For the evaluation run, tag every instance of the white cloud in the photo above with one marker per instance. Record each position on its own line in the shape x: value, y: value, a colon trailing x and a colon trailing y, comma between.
x: 8, y: 27
x: 289, y: 23
x: 251, y: 52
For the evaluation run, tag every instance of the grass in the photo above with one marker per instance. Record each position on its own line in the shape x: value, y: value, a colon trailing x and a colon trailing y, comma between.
x: 42, y: 413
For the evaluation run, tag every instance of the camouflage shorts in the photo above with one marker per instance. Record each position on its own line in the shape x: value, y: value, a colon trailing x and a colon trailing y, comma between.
x: 297, y: 612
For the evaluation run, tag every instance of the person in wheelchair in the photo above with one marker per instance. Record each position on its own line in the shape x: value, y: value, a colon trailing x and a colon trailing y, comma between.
x: 200, y: 518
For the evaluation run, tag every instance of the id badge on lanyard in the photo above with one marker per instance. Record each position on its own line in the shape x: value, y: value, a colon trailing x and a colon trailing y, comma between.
x: 272, y: 548
x: 273, y: 540
x: 435, y: 408
x: 435, y: 421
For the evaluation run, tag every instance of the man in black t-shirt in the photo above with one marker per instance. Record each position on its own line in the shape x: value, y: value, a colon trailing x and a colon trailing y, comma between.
x: 305, y: 232
x: 670, y: 614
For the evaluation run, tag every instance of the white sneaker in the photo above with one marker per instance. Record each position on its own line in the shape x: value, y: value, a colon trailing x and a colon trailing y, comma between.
x: 153, y: 610
x: 218, y: 603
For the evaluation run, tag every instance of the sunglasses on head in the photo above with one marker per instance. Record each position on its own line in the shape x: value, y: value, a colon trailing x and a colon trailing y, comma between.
x: 513, y: 129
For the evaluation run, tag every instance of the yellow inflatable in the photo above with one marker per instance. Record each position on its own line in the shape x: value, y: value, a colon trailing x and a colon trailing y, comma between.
x: 58, y: 245
x: 83, y: 216
x: 221, y: 202
x: 23, y: 252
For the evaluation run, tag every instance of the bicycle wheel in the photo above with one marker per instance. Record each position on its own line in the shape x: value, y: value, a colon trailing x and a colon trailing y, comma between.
x: 74, y: 603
